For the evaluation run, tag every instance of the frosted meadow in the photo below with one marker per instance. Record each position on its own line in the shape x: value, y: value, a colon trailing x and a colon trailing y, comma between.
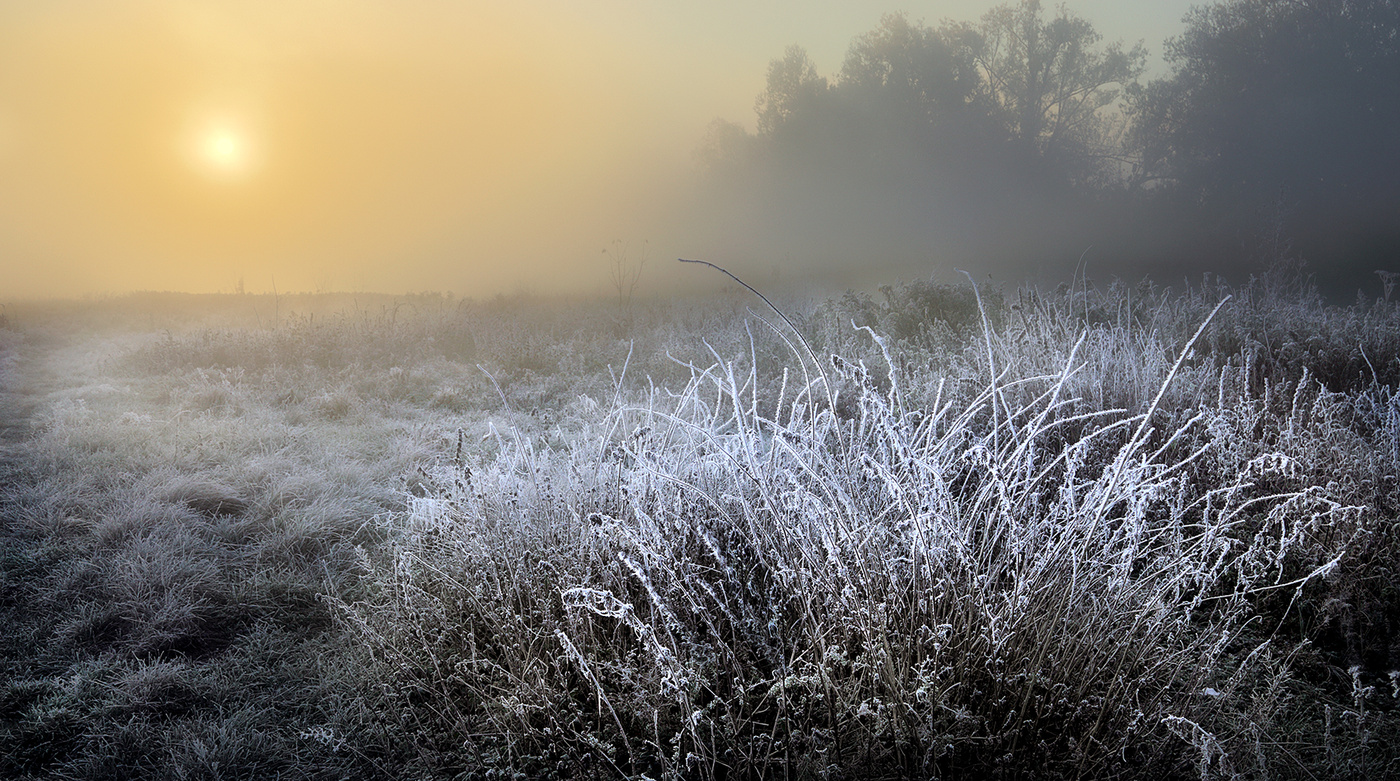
x: 939, y: 531
x: 1118, y: 503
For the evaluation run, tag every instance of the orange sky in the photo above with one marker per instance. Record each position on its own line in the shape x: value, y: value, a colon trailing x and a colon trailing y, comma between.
x: 391, y: 146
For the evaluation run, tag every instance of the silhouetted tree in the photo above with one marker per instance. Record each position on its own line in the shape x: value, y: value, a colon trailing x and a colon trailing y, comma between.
x: 956, y: 90
x: 925, y: 74
x: 1284, y: 106
x: 727, y: 149
x: 793, y: 87
x: 1050, y: 83
x: 909, y: 92
x: 932, y: 136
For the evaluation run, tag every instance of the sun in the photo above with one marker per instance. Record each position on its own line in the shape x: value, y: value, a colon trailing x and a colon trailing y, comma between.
x: 222, y: 150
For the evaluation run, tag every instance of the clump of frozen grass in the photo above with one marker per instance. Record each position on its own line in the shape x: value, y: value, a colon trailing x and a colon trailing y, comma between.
x: 1379, y: 408
x: 716, y: 583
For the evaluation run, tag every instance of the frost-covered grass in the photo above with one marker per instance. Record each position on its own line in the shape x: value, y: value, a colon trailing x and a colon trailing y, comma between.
x: 1093, y: 533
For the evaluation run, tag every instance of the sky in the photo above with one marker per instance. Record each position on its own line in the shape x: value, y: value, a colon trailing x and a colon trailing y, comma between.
x: 414, y: 145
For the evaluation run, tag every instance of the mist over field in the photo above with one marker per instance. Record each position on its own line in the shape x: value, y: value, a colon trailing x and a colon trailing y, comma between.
x: 1025, y: 402
x: 481, y: 149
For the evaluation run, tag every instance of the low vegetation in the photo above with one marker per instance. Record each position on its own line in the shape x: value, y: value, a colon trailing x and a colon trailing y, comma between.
x: 934, y: 532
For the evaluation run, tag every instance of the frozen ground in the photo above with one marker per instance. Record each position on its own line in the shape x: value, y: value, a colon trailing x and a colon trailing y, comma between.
x: 1065, y: 535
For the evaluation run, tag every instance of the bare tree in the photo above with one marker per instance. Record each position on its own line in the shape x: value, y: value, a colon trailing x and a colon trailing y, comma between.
x: 1053, y: 85
x: 624, y: 274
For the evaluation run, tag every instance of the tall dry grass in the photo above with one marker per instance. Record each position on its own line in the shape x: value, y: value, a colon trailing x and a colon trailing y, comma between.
x: 1085, y: 554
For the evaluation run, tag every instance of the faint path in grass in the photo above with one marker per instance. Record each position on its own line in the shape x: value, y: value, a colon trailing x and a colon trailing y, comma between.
x: 14, y: 419
x: 23, y: 362
x: 14, y: 412
x: 30, y: 370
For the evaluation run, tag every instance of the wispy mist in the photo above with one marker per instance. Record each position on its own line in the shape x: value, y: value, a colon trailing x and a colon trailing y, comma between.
x: 481, y: 149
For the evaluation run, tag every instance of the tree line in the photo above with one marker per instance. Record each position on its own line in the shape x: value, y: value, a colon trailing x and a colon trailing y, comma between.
x: 1276, y: 132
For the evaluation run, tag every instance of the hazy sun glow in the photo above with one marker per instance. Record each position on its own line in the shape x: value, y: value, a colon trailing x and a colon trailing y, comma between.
x: 223, y: 152
x: 418, y: 145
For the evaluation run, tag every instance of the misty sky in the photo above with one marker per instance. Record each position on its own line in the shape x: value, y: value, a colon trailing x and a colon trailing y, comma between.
x: 387, y: 146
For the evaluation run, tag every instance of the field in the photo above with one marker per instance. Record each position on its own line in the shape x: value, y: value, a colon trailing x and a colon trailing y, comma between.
x: 934, y: 532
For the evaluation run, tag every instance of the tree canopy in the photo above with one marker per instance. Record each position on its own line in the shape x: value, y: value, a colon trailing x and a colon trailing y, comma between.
x: 1286, y: 108
x: 1037, y: 87
x: 1289, y: 109
x: 1270, y: 99
x: 793, y: 87
x: 1050, y: 84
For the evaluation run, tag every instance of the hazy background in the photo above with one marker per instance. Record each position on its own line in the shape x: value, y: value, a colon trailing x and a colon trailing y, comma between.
x: 418, y: 145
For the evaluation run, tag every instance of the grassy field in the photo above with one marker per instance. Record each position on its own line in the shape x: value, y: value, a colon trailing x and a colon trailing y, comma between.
x: 935, y: 532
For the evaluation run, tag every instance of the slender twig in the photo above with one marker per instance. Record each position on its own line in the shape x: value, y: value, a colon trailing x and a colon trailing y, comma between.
x: 811, y: 354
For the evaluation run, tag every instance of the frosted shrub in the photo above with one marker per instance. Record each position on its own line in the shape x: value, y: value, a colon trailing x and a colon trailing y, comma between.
x: 835, y: 581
